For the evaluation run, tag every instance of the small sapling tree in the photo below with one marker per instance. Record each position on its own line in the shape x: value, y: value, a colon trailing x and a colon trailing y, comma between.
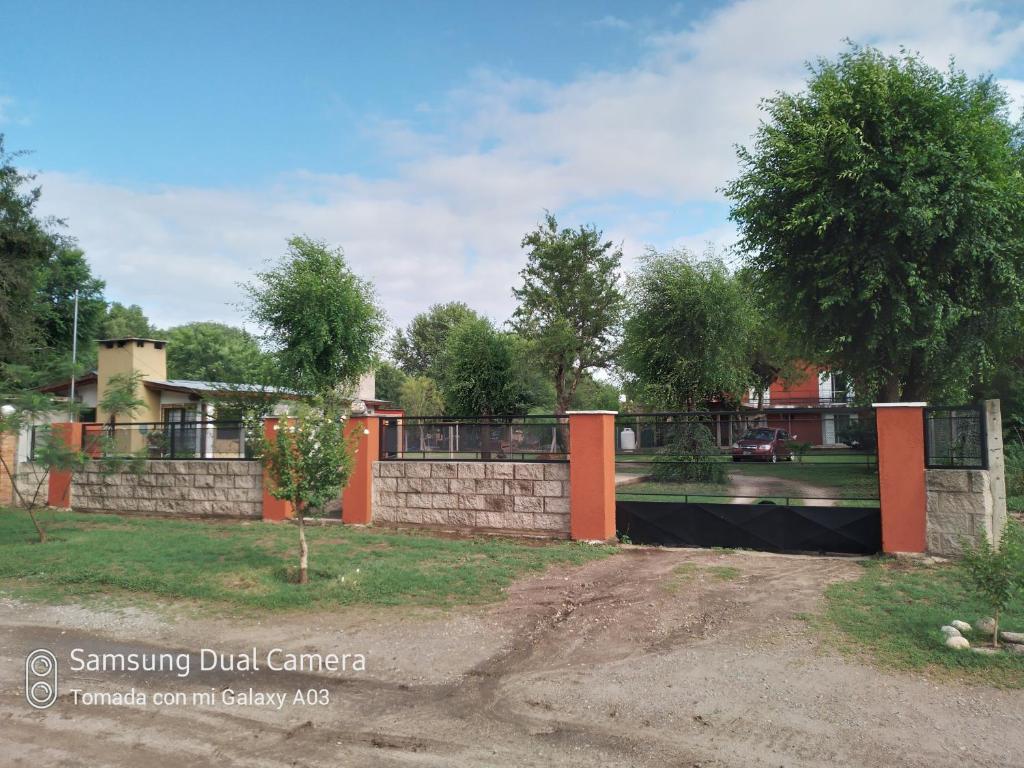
x: 996, y: 576
x: 308, y: 461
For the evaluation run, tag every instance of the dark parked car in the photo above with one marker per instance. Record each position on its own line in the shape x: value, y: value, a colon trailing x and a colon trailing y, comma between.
x: 763, y: 444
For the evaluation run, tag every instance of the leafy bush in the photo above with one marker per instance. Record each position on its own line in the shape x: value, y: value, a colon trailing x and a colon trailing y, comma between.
x: 689, y: 455
x: 1013, y: 456
x: 996, y: 576
x: 858, y: 434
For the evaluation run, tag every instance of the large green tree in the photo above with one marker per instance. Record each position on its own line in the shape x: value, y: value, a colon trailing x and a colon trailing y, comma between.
x: 419, y: 347
x: 26, y: 247
x: 208, y: 351
x: 688, y: 332
x: 883, y: 207
x: 479, y: 376
x: 65, y: 272
x: 570, y: 305
x: 388, y: 381
x: 319, y: 318
x: 122, y: 321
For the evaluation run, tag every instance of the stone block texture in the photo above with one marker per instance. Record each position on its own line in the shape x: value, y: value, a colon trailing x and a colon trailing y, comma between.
x: 33, y: 482
x: 187, y: 488
x: 960, y: 507
x: 487, y: 496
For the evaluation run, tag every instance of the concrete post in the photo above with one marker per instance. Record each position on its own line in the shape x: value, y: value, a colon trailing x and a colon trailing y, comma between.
x: 273, y: 509
x: 357, y: 496
x: 901, y: 476
x: 592, y: 475
x: 996, y: 466
x: 9, y: 452
x: 59, y: 489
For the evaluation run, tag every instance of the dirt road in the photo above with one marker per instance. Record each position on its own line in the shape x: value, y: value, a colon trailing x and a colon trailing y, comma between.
x: 617, y: 663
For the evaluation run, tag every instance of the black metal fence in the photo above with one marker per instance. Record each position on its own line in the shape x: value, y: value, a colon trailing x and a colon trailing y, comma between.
x: 173, y: 440
x: 954, y: 437
x: 432, y: 438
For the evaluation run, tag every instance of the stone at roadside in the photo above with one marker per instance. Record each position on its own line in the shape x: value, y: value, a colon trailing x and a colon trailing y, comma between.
x: 957, y: 642
x: 1014, y: 648
x: 962, y: 626
x: 949, y: 631
x: 985, y: 651
x: 986, y: 625
x: 1012, y: 637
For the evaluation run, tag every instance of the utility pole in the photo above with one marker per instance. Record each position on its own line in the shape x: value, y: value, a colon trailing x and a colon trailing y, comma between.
x: 74, y: 360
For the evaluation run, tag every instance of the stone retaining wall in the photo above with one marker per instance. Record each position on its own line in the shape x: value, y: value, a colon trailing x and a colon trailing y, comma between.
x: 960, y: 506
x: 488, y: 496
x: 188, y: 488
x: 27, y: 479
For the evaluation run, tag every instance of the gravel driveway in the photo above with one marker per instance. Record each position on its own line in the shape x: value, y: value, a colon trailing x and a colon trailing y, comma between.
x: 621, y: 662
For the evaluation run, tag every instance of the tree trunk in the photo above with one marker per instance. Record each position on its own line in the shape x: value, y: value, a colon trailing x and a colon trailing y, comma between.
x: 303, y: 550
x: 39, y: 529
x: 891, y: 389
x: 995, y: 630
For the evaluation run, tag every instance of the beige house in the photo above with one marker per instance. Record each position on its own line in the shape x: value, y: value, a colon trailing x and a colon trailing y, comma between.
x: 168, y: 402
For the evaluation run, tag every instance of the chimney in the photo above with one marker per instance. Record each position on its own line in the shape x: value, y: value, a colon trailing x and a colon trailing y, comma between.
x: 147, y: 357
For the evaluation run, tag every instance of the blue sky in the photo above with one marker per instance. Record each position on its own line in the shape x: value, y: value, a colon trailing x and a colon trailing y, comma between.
x: 185, y: 142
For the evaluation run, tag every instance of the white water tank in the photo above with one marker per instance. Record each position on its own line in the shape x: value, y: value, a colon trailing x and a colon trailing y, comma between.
x: 627, y: 440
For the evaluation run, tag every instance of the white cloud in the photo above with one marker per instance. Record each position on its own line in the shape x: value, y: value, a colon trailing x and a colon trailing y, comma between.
x: 610, y: 21
x: 447, y: 225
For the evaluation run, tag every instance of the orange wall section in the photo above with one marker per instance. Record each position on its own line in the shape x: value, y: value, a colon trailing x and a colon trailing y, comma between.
x: 592, y: 475
x: 58, y: 491
x: 357, y: 496
x: 901, y: 476
x: 273, y: 509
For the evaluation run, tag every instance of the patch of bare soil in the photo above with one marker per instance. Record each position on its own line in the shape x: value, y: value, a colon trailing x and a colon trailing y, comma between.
x: 631, y: 661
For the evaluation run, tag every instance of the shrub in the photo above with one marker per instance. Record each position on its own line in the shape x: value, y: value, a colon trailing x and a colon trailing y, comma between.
x: 1013, y: 456
x: 689, y: 455
x: 996, y: 575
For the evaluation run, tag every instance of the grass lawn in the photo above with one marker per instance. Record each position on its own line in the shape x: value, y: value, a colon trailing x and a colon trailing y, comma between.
x: 894, y: 612
x: 248, y: 565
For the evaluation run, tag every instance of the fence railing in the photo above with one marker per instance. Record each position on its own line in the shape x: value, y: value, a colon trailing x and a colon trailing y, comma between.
x: 954, y: 437
x: 173, y: 440
x: 808, y: 431
x: 499, y: 438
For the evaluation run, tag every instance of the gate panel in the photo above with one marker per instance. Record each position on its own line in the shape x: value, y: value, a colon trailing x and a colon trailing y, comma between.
x: 766, y: 527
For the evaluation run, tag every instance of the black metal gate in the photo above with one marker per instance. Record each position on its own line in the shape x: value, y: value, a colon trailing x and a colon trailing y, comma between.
x: 783, y: 479
x: 768, y: 527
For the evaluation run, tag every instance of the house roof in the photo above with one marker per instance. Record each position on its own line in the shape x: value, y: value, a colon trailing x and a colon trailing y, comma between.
x: 215, y: 387
x: 63, y: 387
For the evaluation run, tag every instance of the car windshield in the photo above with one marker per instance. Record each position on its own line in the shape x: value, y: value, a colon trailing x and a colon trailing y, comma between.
x: 760, y: 434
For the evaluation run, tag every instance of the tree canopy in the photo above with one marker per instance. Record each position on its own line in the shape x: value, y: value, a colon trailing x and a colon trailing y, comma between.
x: 479, y: 376
x: 125, y: 321
x: 882, y: 208
x: 688, y: 331
x: 26, y: 247
x: 570, y: 304
x: 419, y: 347
x: 207, y: 351
x: 320, y: 319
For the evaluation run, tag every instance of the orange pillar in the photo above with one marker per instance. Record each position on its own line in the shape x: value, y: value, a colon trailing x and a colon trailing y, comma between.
x: 58, y: 492
x: 357, y: 496
x: 592, y: 475
x: 901, y: 477
x: 273, y: 509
